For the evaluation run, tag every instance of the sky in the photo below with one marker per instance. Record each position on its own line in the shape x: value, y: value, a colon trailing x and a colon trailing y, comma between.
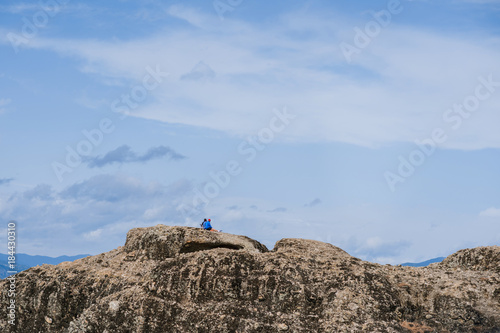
x: 370, y: 125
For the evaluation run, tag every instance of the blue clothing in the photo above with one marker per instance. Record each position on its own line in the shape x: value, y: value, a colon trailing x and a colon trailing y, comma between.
x: 207, y: 225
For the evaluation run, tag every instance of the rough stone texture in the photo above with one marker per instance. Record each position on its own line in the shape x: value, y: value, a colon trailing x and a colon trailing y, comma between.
x: 177, y: 279
x: 478, y: 259
x: 161, y: 242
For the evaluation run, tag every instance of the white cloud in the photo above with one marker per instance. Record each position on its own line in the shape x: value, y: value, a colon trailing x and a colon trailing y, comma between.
x: 191, y: 16
x: 410, y: 79
x: 396, y: 90
x: 490, y: 212
x: 49, y: 7
x: 93, y: 235
x: 313, y: 203
x: 102, y: 207
x: 20, y: 8
x: 105, y: 207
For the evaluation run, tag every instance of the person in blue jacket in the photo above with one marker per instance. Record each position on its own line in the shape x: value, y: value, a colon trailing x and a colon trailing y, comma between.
x: 207, y: 226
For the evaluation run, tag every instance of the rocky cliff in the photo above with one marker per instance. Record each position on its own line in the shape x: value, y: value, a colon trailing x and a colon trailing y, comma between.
x: 180, y: 279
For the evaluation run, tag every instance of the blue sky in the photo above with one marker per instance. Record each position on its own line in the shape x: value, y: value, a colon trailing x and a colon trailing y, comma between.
x: 370, y: 125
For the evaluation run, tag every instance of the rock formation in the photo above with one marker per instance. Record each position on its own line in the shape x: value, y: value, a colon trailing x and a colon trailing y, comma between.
x: 181, y: 279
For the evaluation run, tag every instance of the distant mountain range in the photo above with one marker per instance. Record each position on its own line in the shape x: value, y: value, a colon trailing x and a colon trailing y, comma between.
x: 25, y: 261
x: 423, y: 263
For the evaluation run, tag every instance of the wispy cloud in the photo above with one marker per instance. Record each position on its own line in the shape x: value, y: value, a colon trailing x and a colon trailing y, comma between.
x: 111, y: 189
x: 199, y: 72
x: 191, y: 16
x: 378, y: 249
x: 395, y: 91
x: 490, y: 212
x: 93, y: 235
x: 20, y: 8
x: 160, y: 152
x: 124, y: 154
x: 103, y: 206
x: 49, y: 7
x: 41, y: 191
x: 278, y: 210
x: 4, y: 181
x: 313, y: 203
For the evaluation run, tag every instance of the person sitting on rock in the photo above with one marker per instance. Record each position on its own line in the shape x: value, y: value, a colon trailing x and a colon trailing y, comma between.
x: 207, y: 226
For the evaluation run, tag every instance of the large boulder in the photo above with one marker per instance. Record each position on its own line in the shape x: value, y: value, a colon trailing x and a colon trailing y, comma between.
x: 161, y: 241
x: 297, y: 247
x: 482, y: 258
